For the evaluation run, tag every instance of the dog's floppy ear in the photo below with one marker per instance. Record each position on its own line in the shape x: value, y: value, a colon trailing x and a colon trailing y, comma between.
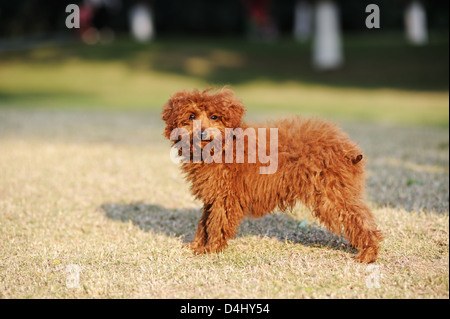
x: 167, y: 117
x: 237, y: 111
x: 232, y: 107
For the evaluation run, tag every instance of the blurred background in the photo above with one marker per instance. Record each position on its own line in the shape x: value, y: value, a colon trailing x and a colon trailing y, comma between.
x: 86, y: 176
x: 327, y: 58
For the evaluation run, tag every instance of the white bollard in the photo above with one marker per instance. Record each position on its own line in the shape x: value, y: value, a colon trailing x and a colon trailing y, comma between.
x: 141, y: 23
x: 416, y: 23
x: 327, y: 46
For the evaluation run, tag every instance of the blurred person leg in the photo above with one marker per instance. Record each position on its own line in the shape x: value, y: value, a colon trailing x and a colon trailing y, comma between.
x: 303, y: 13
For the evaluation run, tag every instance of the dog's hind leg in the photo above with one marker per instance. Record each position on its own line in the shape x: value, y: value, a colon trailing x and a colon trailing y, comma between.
x: 355, y: 218
x: 361, y: 231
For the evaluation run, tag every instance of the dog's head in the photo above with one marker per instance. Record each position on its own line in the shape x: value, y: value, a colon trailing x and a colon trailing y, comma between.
x: 218, y: 110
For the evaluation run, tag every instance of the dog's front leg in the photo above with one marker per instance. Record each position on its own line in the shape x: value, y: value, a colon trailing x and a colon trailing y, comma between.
x: 200, y: 237
x: 218, y: 223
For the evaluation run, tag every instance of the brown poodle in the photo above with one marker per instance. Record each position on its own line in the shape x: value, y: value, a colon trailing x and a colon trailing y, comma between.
x: 315, y: 163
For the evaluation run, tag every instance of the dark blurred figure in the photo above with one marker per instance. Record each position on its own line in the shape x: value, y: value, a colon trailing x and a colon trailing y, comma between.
x: 303, y: 20
x: 96, y: 20
x: 260, y: 23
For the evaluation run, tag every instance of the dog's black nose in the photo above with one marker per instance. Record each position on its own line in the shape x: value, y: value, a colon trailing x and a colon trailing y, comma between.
x: 203, y: 135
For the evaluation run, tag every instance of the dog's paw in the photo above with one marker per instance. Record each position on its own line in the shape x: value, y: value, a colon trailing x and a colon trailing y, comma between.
x: 196, y: 248
x: 199, y: 249
x: 367, y: 255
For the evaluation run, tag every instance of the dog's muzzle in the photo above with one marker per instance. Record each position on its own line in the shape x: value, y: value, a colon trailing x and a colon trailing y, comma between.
x: 203, y: 135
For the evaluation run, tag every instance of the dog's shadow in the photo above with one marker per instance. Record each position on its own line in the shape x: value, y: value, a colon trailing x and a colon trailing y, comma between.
x: 183, y: 223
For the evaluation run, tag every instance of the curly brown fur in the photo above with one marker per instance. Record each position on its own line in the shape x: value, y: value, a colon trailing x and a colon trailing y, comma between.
x: 318, y: 165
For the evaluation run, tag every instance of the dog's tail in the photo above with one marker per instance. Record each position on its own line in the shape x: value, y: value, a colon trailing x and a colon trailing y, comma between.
x: 357, y: 159
x: 353, y: 156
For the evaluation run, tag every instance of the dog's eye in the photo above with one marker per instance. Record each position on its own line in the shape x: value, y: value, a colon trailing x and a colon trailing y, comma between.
x: 192, y: 116
x: 214, y: 117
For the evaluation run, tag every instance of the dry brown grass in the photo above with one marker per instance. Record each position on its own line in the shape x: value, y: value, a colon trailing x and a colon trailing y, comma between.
x: 99, y: 191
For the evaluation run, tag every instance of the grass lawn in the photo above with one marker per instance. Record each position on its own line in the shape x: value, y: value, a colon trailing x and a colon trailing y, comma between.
x: 86, y: 181
x: 98, y: 190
